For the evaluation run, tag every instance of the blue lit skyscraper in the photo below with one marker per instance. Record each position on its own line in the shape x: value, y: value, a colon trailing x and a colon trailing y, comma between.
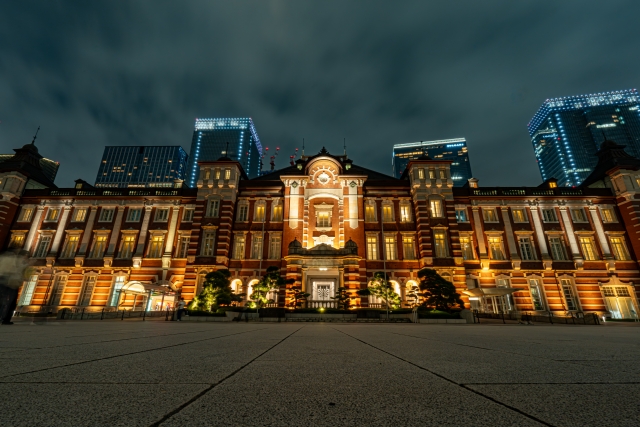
x: 209, y: 143
x: 444, y: 149
x: 141, y: 166
x: 567, y: 132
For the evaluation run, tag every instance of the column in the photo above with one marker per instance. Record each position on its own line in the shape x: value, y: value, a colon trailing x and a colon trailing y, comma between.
x: 59, y: 231
x: 294, y: 198
x: 508, y: 230
x: 303, y: 280
x: 353, y: 206
x: 143, y: 231
x: 537, y: 224
x: 568, y: 226
x: 477, y: 222
x: 168, y: 249
x: 34, y: 228
x: 113, y: 242
x: 602, y: 238
x: 87, y: 231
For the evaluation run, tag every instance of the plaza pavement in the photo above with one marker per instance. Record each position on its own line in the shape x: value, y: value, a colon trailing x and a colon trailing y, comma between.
x: 133, y: 373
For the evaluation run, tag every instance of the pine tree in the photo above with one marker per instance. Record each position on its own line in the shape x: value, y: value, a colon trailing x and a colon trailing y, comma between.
x: 437, y: 292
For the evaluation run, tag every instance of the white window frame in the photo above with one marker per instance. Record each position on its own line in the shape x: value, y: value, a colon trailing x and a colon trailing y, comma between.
x: 65, y: 247
x: 276, y: 206
x: 502, y: 256
x: 549, y: 215
x: 461, y: 215
x: 539, y: 285
x: 114, y: 293
x: 567, y: 283
x: 371, y: 207
x: 161, y: 215
x: 28, y: 289
x: 130, y: 215
x: 38, y: 251
x: 469, y: 251
x: 187, y: 215
x: 121, y: 255
x: 152, y: 240
x: 208, y: 248
x: 257, y: 246
x: 527, y: 250
x: 17, y: 239
x: 440, y: 249
x: 239, y: 246
x: 275, y: 245
x: 243, y: 212
x: 58, y: 288
x: 47, y: 217
x: 372, y: 247
x: 391, y: 242
x: 107, y: 214
x: 612, y: 214
x: 525, y: 216
x: 76, y: 213
x: 405, y: 212
x: 619, y: 250
x: 436, y: 207
x: 26, y: 211
x: 92, y: 253
x: 184, y: 241
x: 490, y: 215
x: 389, y: 205
x: 213, y: 208
x: 574, y: 213
x: 592, y: 243
x: 89, y: 282
x: 562, y: 247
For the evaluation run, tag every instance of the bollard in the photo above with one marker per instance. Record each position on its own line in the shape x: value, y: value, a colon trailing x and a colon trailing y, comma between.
x: 503, y: 318
x: 122, y: 314
x: 144, y: 315
x: 550, y: 318
x: 102, y: 314
x: 166, y: 316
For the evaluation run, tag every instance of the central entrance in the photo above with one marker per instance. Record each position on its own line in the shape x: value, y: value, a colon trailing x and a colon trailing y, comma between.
x: 323, y: 290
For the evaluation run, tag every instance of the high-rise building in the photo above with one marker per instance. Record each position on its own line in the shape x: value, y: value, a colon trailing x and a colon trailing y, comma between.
x: 49, y: 167
x: 141, y: 166
x: 234, y: 138
x: 567, y: 132
x: 443, y: 149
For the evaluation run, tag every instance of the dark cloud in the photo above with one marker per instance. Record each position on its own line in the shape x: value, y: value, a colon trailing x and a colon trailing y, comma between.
x: 374, y: 72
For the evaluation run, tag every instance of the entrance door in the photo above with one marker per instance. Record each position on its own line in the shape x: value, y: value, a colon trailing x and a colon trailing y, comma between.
x: 323, y: 290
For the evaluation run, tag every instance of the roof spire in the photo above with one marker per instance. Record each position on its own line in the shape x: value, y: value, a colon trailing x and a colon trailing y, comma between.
x: 226, y: 150
x: 303, y: 146
x: 344, y: 145
x: 35, y: 136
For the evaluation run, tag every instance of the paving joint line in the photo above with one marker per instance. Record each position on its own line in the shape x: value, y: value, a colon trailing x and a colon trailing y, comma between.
x: 126, y: 354
x: 560, y: 383
x: 512, y: 408
x: 214, y: 385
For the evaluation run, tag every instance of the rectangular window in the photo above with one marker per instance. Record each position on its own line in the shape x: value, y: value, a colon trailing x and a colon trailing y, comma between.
x: 25, y: 214
x: 467, y: 248
x: 557, y: 249
x: 387, y: 212
x: 578, y: 215
x: 409, y: 247
x: 436, y: 209
x: 390, y: 248
x: 17, y: 241
x: 79, y: 215
x: 243, y: 211
x: 420, y: 173
x: 127, y: 246
x: 217, y: 174
x: 276, y: 212
x: 549, y: 215
x: 588, y: 249
x: 106, y: 215
x: 323, y: 219
x: 442, y: 174
x: 256, y: 247
x: 43, y: 246
x: 519, y: 215
x: 99, y: 246
x: 489, y: 215
x: 134, y: 215
x: 495, y: 246
x: 187, y: 216
x: 87, y: 291
x: 162, y: 215
x: 27, y: 290
x: 59, y: 284
x: 370, y: 213
x: 70, y: 246
x: 607, y: 215
x: 461, y: 215
x: 214, y: 208
x: 432, y: 174
x: 526, y: 249
x: 238, y: 247
x: 537, y: 299
x: 183, y: 246
x: 619, y: 249
x: 227, y: 174
x: 405, y: 213
x: 569, y: 295
x: 440, y: 243
x: 259, y: 212
x: 52, y: 214
x: 275, y: 246
x: 156, y: 246
x: 114, y: 298
x: 372, y: 247
x: 208, y: 241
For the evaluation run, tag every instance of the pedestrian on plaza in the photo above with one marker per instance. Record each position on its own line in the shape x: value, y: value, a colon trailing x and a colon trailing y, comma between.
x: 14, y: 269
x: 180, y: 307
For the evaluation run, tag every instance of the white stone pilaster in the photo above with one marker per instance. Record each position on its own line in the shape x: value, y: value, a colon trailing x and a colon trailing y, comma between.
x: 113, y: 242
x: 84, y: 244
x: 34, y: 228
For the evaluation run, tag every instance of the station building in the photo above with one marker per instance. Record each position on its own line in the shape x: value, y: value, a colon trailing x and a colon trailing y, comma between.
x: 327, y: 223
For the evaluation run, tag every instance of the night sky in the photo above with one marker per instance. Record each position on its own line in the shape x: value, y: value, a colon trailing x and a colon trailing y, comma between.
x: 374, y: 72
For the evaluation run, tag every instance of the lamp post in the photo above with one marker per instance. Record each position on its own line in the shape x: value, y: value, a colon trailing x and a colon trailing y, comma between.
x: 384, y: 261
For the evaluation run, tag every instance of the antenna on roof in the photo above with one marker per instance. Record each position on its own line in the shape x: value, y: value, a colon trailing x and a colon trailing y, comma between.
x: 344, y: 145
x: 226, y: 150
x: 35, y: 136
x: 303, y: 146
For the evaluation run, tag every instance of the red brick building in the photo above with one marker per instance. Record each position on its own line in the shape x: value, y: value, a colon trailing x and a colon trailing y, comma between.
x: 327, y: 222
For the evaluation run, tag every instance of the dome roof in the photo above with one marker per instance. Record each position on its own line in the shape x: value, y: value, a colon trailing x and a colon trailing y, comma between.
x: 295, y: 244
x: 351, y: 244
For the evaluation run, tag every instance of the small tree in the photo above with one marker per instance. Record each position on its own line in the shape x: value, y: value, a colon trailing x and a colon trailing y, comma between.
x: 343, y: 298
x: 383, y: 289
x: 438, y: 293
x: 297, y: 296
x: 413, y: 295
x: 216, y: 292
x: 271, y: 281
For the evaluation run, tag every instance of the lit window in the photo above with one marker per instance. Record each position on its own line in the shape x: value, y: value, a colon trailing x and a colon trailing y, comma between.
x: 275, y: 242
x: 256, y: 247
x: 127, y: 245
x: 519, y: 215
x: 420, y: 173
x: 323, y: 219
x: 408, y: 247
x: 607, y: 215
x: 526, y: 249
x: 405, y: 213
x: 70, y: 246
x: 79, y: 214
x: 118, y: 283
x: 442, y: 174
x: 588, y: 249
x: 489, y: 215
x: 619, y: 248
x: 238, y: 247
x: 461, y: 215
x: 276, y: 212
x: 25, y: 214
x: 156, y: 246
x: 106, y: 215
x: 370, y: 213
x: 17, y: 241
x: 467, y: 248
x: 372, y: 247
x: 537, y: 299
x: 390, y: 248
x: 259, y: 212
x: 227, y: 174
x: 432, y: 174
x: 495, y: 247
x: 577, y: 215
x: 52, y: 214
x: 27, y: 290
x: 387, y: 212
x: 436, y: 208
x: 440, y: 244
x: 208, y: 240
x: 99, y: 246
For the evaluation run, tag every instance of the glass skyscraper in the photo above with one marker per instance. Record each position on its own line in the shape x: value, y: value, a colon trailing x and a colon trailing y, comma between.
x: 445, y: 149
x: 141, y: 166
x: 567, y: 132
x: 209, y: 143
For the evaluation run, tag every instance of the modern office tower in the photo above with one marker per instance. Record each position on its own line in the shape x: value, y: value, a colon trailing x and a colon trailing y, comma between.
x: 49, y: 167
x: 443, y: 149
x: 211, y: 137
x: 567, y: 132
x: 141, y: 166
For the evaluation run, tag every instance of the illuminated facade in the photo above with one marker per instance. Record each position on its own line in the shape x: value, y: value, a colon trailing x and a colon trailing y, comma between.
x: 328, y: 223
x: 211, y: 137
x: 444, y: 149
x: 141, y: 166
x: 566, y: 133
